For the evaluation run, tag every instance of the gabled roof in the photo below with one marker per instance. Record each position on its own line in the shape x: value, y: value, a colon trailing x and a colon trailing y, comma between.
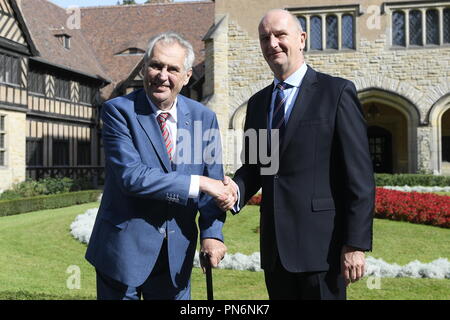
x: 113, y: 29
x: 29, y: 48
x: 45, y: 21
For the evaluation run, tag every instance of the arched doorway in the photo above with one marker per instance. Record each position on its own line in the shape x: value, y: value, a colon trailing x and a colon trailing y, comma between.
x: 439, y: 119
x: 380, y: 146
x: 397, y: 115
x: 445, y: 142
x: 388, y: 137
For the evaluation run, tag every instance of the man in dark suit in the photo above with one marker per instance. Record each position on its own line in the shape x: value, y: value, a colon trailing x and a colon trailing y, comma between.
x: 317, y: 209
x: 145, y: 234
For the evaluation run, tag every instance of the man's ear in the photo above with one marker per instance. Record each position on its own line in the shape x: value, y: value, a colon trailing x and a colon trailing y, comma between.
x: 188, y: 76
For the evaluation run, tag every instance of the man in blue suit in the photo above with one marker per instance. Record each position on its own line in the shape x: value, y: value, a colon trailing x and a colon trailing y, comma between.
x: 163, y: 164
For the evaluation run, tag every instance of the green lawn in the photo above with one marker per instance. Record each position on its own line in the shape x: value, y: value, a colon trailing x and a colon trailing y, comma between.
x: 37, y: 249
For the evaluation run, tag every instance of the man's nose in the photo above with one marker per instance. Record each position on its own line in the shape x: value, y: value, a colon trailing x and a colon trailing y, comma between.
x: 163, y: 74
x: 273, y: 41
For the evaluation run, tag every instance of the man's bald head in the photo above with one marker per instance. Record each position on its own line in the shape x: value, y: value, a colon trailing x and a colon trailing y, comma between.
x: 282, y: 41
x: 282, y: 14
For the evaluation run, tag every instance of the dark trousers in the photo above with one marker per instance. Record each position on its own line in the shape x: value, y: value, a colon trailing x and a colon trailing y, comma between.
x: 158, y: 285
x: 284, y: 285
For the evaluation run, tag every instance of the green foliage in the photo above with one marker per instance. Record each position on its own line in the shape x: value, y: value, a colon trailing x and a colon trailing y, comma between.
x: 47, y: 186
x: 426, y: 180
x: 17, y: 206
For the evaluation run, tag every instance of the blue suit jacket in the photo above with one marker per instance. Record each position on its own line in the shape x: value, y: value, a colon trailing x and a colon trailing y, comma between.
x: 144, y: 198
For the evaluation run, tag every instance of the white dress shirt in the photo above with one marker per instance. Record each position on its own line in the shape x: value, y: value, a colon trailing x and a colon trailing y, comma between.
x: 294, y: 80
x: 194, y: 187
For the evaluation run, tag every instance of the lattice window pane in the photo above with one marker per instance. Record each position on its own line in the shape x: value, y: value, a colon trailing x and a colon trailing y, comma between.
x: 84, y: 153
x: 2, y: 123
x: 415, y: 28
x: 35, y: 152
x: 432, y: 27
x: 332, y: 32
x: 398, y: 29
x: 15, y: 70
x: 347, y: 32
x: 36, y: 82
x: 302, y: 21
x: 316, y: 33
x: 2, y: 141
x: 60, y: 152
x: 446, y: 30
x: 2, y: 67
x: 2, y: 158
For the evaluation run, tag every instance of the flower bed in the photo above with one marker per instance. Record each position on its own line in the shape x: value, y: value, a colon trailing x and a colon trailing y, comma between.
x: 415, y: 207
x: 421, y: 208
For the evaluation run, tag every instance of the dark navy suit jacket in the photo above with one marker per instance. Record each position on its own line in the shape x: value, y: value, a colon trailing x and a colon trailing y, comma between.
x: 322, y: 196
x: 145, y: 198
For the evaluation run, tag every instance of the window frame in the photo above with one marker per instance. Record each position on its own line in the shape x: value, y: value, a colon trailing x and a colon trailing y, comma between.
x: 3, y: 133
x: 8, y: 66
x: 40, y: 143
x: 423, y: 7
x: 58, y: 82
x: 36, y: 77
x: 56, y: 153
x: 84, y: 90
x: 81, y: 155
x: 324, y: 12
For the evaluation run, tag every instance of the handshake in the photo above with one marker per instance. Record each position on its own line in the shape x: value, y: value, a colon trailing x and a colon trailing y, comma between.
x: 225, y: 192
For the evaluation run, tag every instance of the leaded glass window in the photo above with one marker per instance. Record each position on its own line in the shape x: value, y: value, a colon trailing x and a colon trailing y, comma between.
x: 415, y: 28
x: 347, y: 31
x: 332, y: 32
x: 446, y: 24
x: 398, y: 29
x: 316, y: 33
x: 432, y: 27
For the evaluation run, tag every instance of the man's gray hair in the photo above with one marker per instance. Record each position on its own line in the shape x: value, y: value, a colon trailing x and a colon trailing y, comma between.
x: 170, y: 38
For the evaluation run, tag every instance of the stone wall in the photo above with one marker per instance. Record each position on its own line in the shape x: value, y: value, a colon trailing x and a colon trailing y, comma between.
x: 14, y: 171
x: 419, y: 77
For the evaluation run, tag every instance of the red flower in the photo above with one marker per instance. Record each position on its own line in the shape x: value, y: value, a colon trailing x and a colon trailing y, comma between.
x: 415, y: 207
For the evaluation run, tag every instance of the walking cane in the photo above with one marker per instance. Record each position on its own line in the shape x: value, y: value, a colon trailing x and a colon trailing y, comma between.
x: 209, y: 283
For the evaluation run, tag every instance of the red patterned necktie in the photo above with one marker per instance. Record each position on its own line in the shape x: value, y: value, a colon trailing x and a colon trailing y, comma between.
x: 162, y: 120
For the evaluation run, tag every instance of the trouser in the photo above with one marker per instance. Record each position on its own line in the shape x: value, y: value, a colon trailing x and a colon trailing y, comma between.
x: 158, y: 285
x: 284, y: 285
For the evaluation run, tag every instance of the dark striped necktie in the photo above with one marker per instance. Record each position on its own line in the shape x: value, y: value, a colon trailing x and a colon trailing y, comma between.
x: 162, y: 120
x: 278, y: 111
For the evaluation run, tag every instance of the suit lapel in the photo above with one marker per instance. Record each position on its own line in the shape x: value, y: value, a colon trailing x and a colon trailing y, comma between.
x: 184, y: 125
x: 263, y: 122
x: 147, y: 120
x: 302, y: 103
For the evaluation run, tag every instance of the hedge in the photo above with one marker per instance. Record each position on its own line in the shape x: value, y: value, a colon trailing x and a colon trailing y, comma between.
x: 17, y: 206
x: 425, y: 180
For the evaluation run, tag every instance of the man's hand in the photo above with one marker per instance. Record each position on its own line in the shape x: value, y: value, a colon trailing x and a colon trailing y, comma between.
x: 352, y: 264
x: 229, y: 203
x: 224, y: 195
x: 215, y: 250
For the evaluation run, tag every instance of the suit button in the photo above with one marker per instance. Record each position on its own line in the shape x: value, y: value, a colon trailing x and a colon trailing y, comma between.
x: 276, y: 176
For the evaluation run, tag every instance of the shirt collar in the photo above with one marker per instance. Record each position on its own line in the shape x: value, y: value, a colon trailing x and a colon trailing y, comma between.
x: 173, y: 111
x: 295, y: 79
